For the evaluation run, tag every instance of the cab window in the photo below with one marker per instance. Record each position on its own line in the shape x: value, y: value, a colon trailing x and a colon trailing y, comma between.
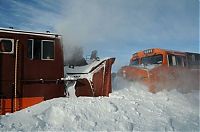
x: 6, y: 45
x: 40, y: 49
x: 34, y: 49
x: 149, y: 60
x: 47, y: 50
x: 134, y: 62
x: 30, y: 48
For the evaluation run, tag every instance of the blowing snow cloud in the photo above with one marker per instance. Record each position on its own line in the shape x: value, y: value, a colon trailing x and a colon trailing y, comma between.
x: 118, y: 27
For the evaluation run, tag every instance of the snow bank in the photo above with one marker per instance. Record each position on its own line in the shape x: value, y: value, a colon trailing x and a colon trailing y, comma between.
x: 129, y: 108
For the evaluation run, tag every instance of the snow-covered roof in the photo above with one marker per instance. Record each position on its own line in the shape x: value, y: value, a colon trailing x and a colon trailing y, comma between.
x: 85, y: 69
x: 45, y: 34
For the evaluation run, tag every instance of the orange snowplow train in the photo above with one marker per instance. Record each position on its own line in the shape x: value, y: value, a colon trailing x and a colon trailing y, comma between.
x: 163, y: 69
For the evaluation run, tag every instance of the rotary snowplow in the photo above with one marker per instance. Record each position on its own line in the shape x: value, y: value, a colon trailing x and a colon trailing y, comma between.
x: 160, y: 69
x: 92, y: 79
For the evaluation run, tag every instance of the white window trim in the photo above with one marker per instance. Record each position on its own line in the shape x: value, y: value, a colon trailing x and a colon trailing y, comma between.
x: 174, y: 63
x: 182, y: 61
x: 12, y: 40
x: 42, y: 49
x: 193, y: 58
x: 32, y: 48
x: 168, y: 60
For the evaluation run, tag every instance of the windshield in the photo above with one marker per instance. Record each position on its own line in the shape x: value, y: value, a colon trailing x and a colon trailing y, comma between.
x: 134, y: 62
x: 157, y: 59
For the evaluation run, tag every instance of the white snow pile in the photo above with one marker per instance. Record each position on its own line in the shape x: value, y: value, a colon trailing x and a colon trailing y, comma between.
x: 129, y: 108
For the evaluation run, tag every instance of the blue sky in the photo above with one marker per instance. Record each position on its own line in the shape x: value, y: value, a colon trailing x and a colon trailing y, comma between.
x: 115, y: 28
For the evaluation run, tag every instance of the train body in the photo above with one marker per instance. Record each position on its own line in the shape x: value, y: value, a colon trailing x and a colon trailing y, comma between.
x: 160, y: 69
x: 32, y: 70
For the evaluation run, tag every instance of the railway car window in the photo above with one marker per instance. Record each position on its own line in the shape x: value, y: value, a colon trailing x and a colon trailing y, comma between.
x: 179, y: 61
x: 6, y: 45
x: 37, y: 49
x: 184, y: 61
x: 47, y: 50
x: 134, y: 62
x: 193, y: 60
x: 30, y: 48
x: 170, y: 60
x: 34, y: 49
x: 174, y: 60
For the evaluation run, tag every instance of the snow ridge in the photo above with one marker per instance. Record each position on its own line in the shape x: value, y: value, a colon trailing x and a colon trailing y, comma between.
x: 129, y: 108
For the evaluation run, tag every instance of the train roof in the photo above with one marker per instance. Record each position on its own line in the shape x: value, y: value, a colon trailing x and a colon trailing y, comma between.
x: 180, y: 51
x: 14, y: 31
x: 167, y: 50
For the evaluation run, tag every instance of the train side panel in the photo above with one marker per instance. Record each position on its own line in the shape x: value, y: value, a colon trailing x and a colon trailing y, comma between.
x: 25, y: 76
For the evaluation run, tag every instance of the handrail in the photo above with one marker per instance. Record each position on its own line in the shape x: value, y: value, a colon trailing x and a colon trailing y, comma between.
x: 16, y: 69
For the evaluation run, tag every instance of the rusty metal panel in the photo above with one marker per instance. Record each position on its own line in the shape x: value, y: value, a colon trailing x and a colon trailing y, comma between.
x: 100, y: 84
x: 83, y: 88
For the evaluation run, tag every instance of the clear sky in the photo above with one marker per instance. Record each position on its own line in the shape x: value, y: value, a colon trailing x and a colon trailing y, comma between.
x: 116, y: 28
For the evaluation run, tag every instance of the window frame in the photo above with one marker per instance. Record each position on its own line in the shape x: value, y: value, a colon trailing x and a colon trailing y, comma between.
x: 42, y: 43
x: 176, y: 60
x: 32, y: 55
x: 12, y: 40
x: 193, y: 58
x: 152, y: 57
x: 135, y: 60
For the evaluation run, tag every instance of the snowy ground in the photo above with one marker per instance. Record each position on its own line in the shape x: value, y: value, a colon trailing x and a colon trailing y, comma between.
x: 129, y: 108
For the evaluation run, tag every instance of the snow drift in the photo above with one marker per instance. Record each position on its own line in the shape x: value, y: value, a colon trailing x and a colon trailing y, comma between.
x: 129, y: 108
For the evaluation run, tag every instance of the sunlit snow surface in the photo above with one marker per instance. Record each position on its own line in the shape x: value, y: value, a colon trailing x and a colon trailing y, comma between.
x: 129, y: 108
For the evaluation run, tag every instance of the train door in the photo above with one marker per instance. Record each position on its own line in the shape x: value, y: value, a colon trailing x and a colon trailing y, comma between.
x: 7, y: 68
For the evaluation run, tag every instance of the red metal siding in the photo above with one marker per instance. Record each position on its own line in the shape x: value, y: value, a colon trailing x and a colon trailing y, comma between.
x: 101, y: 83
x: 30, y: 72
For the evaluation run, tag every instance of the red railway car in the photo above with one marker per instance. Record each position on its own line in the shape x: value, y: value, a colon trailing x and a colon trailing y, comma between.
x: 31, y: 68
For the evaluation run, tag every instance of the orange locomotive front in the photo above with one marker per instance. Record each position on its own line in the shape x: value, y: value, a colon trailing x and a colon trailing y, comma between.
x: 163, y: 69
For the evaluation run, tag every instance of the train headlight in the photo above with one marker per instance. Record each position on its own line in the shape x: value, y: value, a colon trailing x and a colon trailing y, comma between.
x: 124, y: 73
x: 148, y: 51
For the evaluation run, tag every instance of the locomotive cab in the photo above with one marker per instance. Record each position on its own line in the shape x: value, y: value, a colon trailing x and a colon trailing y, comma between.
x: 31, y: 68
